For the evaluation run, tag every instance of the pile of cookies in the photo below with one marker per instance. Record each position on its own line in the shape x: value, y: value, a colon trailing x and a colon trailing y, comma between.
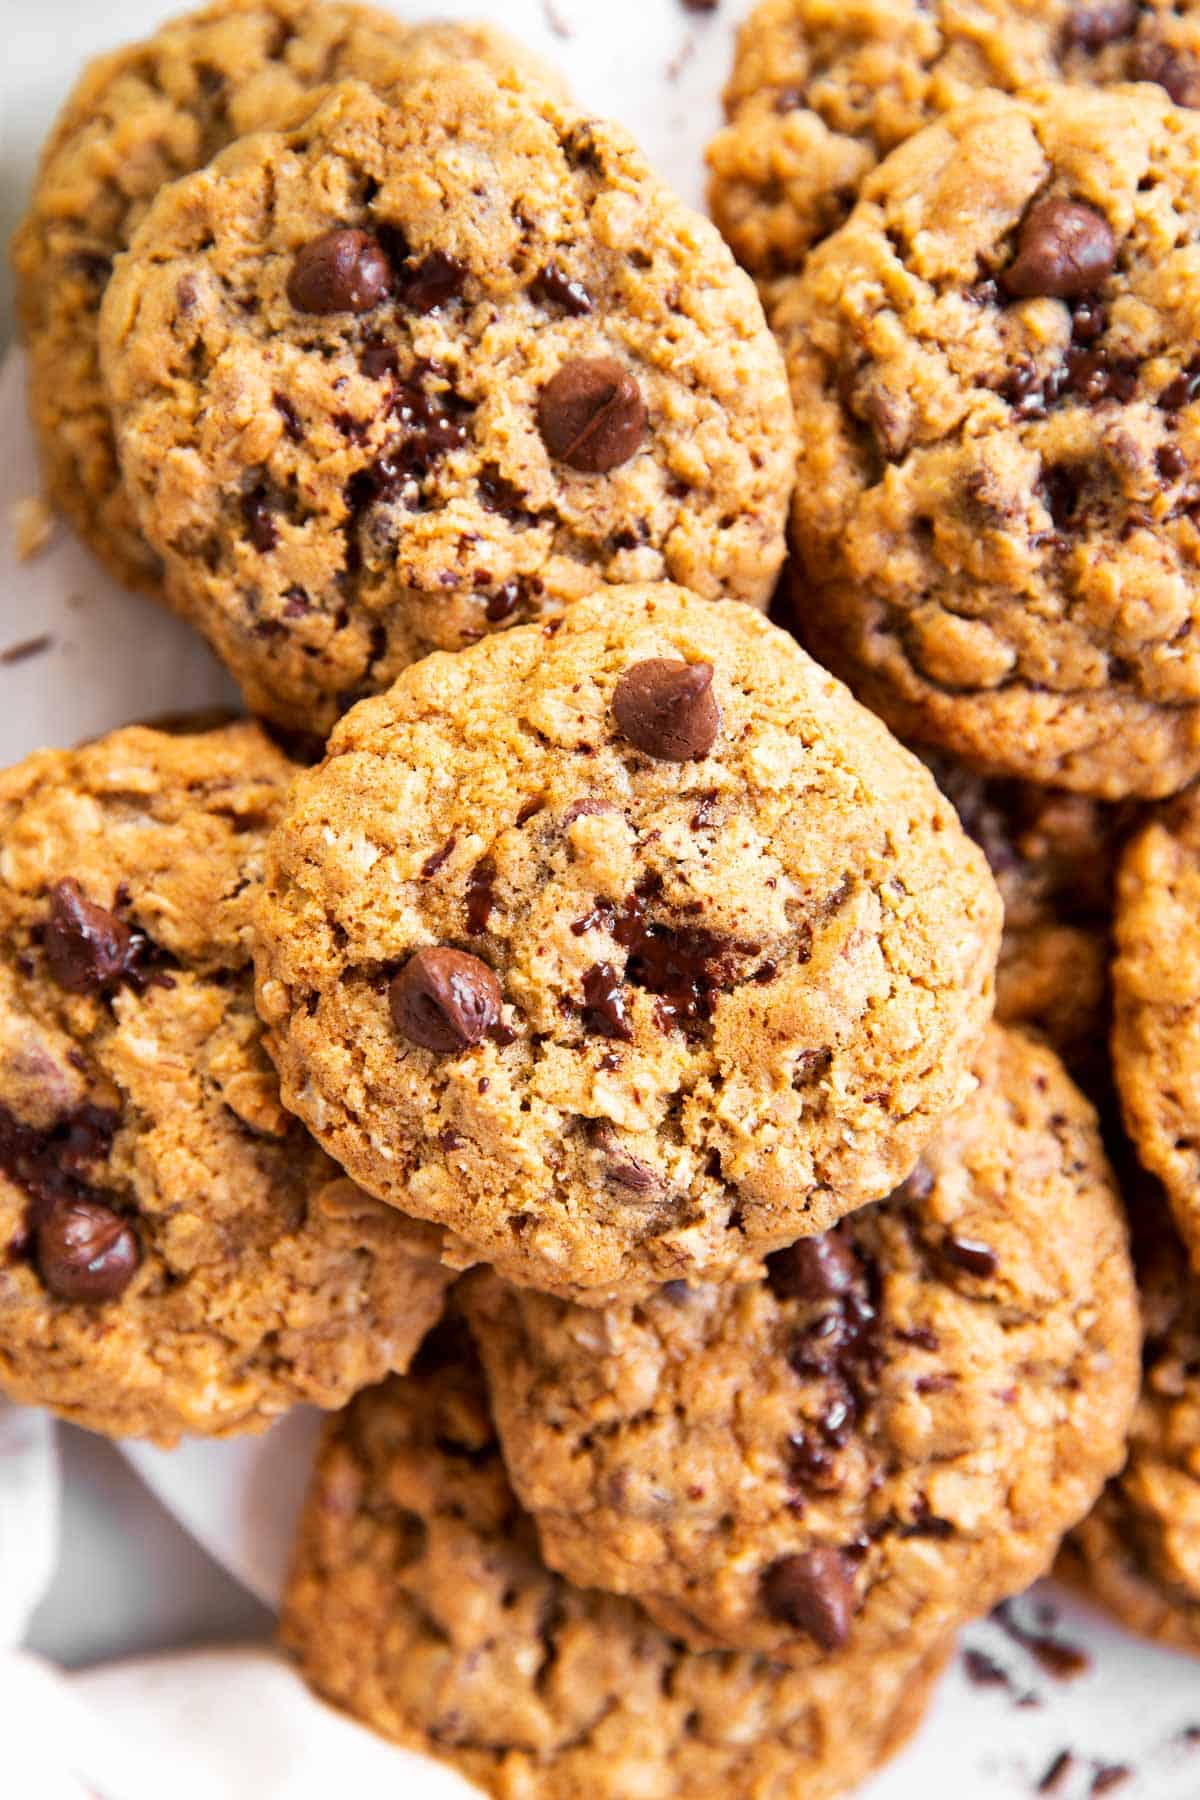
x: 666, y: 1121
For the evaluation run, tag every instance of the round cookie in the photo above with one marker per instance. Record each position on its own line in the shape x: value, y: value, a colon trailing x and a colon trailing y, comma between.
x: 995, y: 365
x: 136, y: 120
x: 1054, y: 857
x: 884, y: 1435
x: 626, y: 948
x: 417, y: 371
x: 821, y: 92
x: 1156, y: 1003
x: 178, y: 1255
x: 1138, y: 1551
x: 419, y: 1604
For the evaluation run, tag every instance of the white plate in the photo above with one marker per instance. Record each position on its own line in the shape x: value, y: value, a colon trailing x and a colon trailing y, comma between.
x: 115, y: 658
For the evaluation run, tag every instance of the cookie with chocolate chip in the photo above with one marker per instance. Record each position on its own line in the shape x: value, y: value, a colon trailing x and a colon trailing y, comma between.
x: 419, y: 1604
x: 1138, y: 1551
x: 820, y: 93
x: 426, y: 368
x: 176, y: 1254
x: 625, y: 947
x: 994, y: 361
x: 137, y: 119
x: 882, y: 1435
x: 1156, y: 990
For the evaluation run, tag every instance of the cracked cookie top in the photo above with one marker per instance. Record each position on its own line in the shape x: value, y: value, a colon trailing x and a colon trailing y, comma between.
x: 176, y: 1254
x: 627, y: 946
x: 420, y: 370
x: 881, y: 1437
x: 137, y: 119
x: 822, y: 91
x: 418, y: 1602
x: 995, y: 365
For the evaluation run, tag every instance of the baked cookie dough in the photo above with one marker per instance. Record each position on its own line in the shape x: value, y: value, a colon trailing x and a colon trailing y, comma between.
x: 1138, y: 1552
x: 626, y: 947
x: 880, y: 1438
x: 1054, y: 857
x: 176, y: 1254
x: 1156, y: 992
x: 137, y: 119
x: 418, y: 1603
x: 995, y: 365
x: 822, y: 91
x: 419, y: 370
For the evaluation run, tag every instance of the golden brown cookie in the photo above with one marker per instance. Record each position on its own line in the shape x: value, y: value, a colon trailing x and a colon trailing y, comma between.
x: 137, y: 119
x: 1156, y: 990
x: 178, y: 1255
x: 419, y: 370
x: 880, y: 1438
x: 994, y: 365
x: 418, y: 1603
x: 626, y: 948
x: 821, y: 91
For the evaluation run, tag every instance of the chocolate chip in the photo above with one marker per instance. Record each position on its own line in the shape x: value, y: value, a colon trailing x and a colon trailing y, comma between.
x: 1182, y: 390
x: 604, y: 1008
x: 968, y: 1254
x: 423, y: 286
x: 503, y: 603
x: 1177, y: 73
x: 260, y: 520
x: 813, y: 1592
x: 816, y: 1268
x: 88, y: 949
x: 444, y: 1000
x: 551, y: 285
x: 667, y: 708
x: 1170, y: 462
x: 620, y: 1167
x: 290, y: 417
x: 343, y: 271
x: 592, y: 415
x: 1063, y: 248
x: 86, y: 1251
x: 1093, y: 23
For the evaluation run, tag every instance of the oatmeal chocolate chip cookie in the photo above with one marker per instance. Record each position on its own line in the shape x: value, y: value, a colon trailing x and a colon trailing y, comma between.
x: 1156, y: 992
x: 996, y: 514
x: 883, y: 1435
x: 138, y: 119
x: 418, y: 371
x: 625, y: 947
x: 176, y: 1254
x: 822, y: 91
x: 1138, y: 1552
x: 1054, y: 857
x: 418, y: 1602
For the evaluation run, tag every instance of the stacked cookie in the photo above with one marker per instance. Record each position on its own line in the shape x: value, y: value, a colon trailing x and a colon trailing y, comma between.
x: 587, y: 949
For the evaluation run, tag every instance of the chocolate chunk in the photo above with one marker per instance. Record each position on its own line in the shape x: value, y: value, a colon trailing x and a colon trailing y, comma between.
x: 668, y: 708
x: 1171, y: 69
x: 1063, y: 248
x: 1093, y: 23
x: 604, y: 1008
x: 444, y: 1000
x: 86, y: 1251
x: 592, y: 415
x: 343, y: 271
x: 968, y: 1254
x: 814, y: 1593
x: 434, y: 281
x: 552, y: 286
x: 815, y: 1268
x: 88, y: 949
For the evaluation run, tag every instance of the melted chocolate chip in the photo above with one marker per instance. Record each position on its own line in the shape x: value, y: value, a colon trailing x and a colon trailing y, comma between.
x: 1091, y: 24
x: 1183, y: 389
x: 53, y: 1164
x: 481, y: 895
x: 88, y: 949
x: 378, y: 358
x: 592, y: 415
x: 290, y: 417
x: 444, y: 1000
x: 667, y: 708
x: 970, y: 1255
x: 260, y: 520
x: 557, y: 289
x: 1171, y: 69
x: 813, y: 1592
x: 432, y: 425
x: 604, y: 1008
x: 342, y: 271
x: 86, y: 1252
x: 815, y: 1268
x: 1170, y: 462
x: 1063, y: 248
x: 433, y: 863
x: 434, y: 281
x: 503, y: 603
x: 621, y: 1168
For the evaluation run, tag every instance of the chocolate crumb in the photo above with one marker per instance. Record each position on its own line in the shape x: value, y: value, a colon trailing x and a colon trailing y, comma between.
x: 1057, y: 1773
x: 1109, y: 1776
x: 26, y: 649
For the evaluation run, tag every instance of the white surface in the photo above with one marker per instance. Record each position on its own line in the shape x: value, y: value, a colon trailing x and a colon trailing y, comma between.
x: 116, y: 658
